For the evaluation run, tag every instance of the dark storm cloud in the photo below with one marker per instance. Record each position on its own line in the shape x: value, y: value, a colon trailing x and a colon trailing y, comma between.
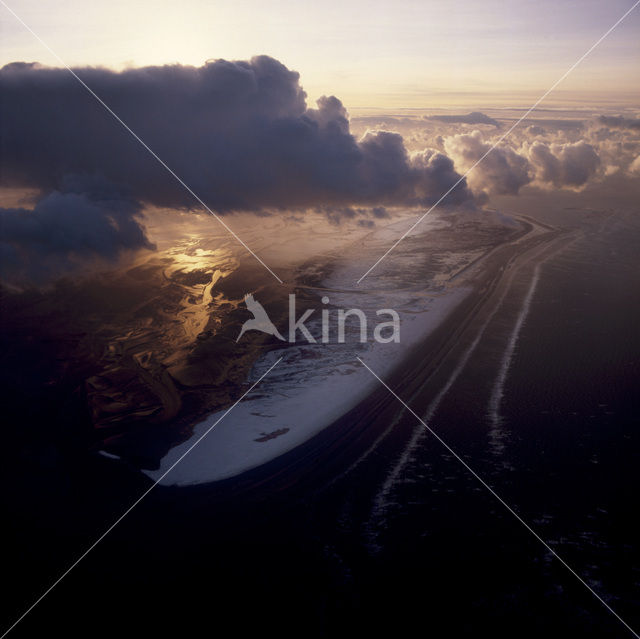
x: 239, y: 133
x: 85, y: 220
x: 619, y: 122
x: 475, y: 117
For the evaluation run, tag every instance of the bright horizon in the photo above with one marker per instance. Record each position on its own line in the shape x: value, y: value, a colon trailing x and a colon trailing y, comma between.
x: 370, y: 55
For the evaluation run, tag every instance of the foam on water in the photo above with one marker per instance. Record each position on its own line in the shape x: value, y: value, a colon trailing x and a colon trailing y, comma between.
x: 497, y: 392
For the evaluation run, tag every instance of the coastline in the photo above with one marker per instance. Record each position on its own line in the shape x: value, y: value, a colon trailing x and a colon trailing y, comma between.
x: 343, y: 445
x: 225, y: 461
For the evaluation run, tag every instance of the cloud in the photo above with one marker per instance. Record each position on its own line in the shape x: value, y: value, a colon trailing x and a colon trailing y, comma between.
x: 564, y: 165
x: 559, y: 123
x: 437, y: 175
x: 475, y: 117
x: 619, y: 122
x: 502, y: 171
x: 88, y: 220
x: 634, y: 167
x: 336, y: 215
x: 239, y: 134
x: 535, y: 130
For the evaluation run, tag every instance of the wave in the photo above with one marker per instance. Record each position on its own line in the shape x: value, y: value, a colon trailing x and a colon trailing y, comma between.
x: 381, y: 500
x: 496, y: 434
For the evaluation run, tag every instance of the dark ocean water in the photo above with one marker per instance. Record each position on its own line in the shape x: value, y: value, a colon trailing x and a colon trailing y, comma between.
x: 561, y: 448
x: 406, y: 542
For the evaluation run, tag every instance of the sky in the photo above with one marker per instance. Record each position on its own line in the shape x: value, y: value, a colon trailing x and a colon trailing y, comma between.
x: 230, y: 96
x: 371, y: 54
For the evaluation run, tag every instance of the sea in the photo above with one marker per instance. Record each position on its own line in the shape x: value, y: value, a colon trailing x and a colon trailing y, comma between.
x: 502, y: 504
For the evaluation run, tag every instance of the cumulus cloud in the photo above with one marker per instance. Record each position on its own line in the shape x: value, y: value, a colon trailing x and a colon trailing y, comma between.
x: 502, y: 171
x: 564, y: 165
x: 436, y: 171
x: 240, y: 134
x: 475, y: 117
x: 535, y: 130
x: 554, y: 161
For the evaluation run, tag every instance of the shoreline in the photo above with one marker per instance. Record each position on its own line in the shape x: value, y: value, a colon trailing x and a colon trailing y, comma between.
x: 408, y: 373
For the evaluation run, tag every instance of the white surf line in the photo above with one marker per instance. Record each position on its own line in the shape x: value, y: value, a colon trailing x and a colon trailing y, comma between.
x: 126, y: 126
x: 433, y: 406
x: 502, y: 137
x: 498, y: 389
x: 136, y: 502
x: 419, y: 433
x: 506, y: 505
x: 497, y: 394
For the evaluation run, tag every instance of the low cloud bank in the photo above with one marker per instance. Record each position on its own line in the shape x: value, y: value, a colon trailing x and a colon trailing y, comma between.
x: 475, y: 117
x: 243, y: 137
x: 88, y: 220
x: 619, y: 122
x: 240, y: 134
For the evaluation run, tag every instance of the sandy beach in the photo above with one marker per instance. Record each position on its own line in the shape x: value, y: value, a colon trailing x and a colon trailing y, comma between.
x: 316, y: 387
